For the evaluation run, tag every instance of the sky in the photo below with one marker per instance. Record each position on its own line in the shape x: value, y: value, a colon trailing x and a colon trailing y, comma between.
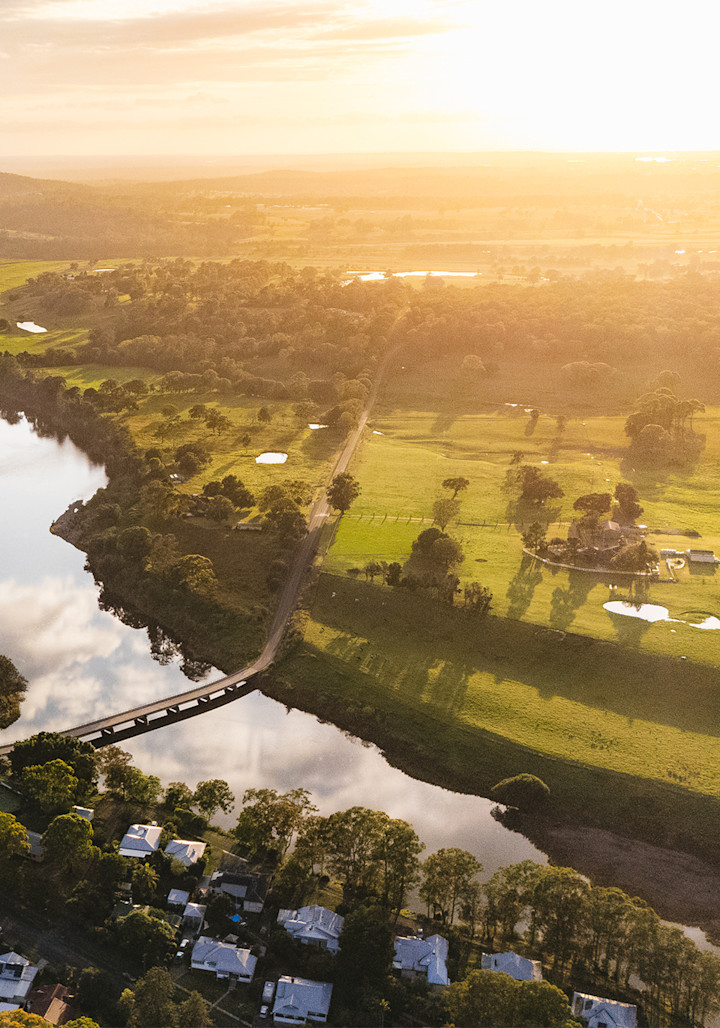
x: 235, y: 77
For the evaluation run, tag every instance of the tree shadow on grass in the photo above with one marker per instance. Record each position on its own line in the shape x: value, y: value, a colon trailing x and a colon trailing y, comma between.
x: 522, y: 587
x: 566, y: 602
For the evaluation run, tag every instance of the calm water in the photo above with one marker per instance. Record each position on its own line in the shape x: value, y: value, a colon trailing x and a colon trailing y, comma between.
x: 82, y: 661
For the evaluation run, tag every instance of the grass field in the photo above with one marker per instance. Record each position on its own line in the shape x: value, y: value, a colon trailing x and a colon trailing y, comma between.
x: 486, y: 699
x: 401, y: 471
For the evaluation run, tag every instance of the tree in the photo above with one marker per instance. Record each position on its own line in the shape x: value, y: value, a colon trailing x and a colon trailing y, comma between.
x: 444, y: 511
x: 12, y: 690
x: 140, y: 788
x: 535, y: 487
x: 220, y: 508
x: 342, y: 491
x: 457, y: 485
x: 492, y: 998
x: 472, y: 365
x: 285, y: 518
x: 147, y: 937
x: 177, y: 794
x: 366, y: 952
x: 144, y: 882
x: 636, y: 557
x: 212, y: 795
x: 194, y: 573
x: 114, y: 764
x: 626, y: 508
x: 446, y: 876
x: 67, y: 841
x: 595, y: 504
x: 53, y: 786
x: 398, y: 852
x: 269, y: 819
x: 13, y: 839
x: 194, y: 1012
x: 478, y: 599
x: 523, y: 791
x: 47, y: 746
x: 152, y: 1002
x: 264, y: 416
x: 535, y: 537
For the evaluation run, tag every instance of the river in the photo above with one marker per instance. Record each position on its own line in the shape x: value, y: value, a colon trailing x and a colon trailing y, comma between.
x: 82, y: 662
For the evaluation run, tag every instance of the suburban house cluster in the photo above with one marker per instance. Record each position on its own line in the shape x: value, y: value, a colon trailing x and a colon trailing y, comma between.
x: 594, y: 1011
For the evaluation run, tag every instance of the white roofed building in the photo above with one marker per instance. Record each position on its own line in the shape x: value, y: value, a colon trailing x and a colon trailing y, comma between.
x: 16, y: 977
x: 140, y: 841
x: 298, y: 1000
x: 223, y: 959
x: 520, y: 968
x: 422, y: 958
x: 597, y: 1012
x: 186, y: 852
x: 314, y: 926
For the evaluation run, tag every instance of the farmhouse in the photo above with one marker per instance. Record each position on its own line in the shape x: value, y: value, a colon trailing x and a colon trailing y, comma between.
x: 298, y: 1000
x: 140, y: 840
x: 313, y: 926
x: 519, y: 968
x: 422, y: 958
x: 223, y: 959
x: 603, y: 1013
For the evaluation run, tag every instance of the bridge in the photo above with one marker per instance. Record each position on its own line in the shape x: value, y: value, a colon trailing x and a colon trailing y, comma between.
x: 146, y: 718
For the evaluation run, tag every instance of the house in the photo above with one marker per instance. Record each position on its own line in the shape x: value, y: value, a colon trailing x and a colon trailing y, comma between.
x: 178, y: 898
x: 298, y: 1000
x: 51, y: 1002
x: 140, y: 840
x: 247, y: 889
x: 16, y: 977
x: 519, y: 968
x: 87, y: 812
x: 603, y: 1013
x: 186, y: 852
x: 313, y: 926
x: 426, y: 958
x: 194, y: 916
x: 223, y: 960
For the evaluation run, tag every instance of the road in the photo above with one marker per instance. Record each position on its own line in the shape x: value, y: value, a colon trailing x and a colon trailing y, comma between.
x: 149, y: 716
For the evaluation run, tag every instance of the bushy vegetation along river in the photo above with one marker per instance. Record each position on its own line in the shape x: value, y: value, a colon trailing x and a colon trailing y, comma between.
x: 82, y: 662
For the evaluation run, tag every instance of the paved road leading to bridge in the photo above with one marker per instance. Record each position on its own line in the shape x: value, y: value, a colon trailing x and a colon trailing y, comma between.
x: 101, y: 730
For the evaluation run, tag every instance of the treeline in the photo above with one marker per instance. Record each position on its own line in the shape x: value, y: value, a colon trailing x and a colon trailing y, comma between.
x: 126, y: 528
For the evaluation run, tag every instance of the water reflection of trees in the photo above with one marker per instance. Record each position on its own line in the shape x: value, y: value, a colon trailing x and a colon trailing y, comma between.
x: 163, y: 648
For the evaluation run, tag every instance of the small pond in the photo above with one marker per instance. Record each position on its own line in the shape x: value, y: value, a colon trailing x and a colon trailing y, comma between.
x: 271, y: 458
x: 30, y: 326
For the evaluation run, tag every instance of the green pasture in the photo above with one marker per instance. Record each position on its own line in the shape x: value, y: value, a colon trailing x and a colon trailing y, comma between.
x: 14, y: 273
x: 401, y: 471
x: 639, y: 715
x: 497, y: 697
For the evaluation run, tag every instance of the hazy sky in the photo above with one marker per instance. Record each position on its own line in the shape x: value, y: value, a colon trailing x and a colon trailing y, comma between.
x: 313, y: 76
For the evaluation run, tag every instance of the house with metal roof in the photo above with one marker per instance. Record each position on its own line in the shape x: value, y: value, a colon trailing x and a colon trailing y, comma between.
x: 596, y: 1012
x: 313, y: 926
x: 223, y: 959
x: 520, y: 968
x: 298, y: 1000
x: 422, y: 958
x: 248, y: 889
x: 16, y: 977
x: 184, y: 851
x: 140, y: 840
